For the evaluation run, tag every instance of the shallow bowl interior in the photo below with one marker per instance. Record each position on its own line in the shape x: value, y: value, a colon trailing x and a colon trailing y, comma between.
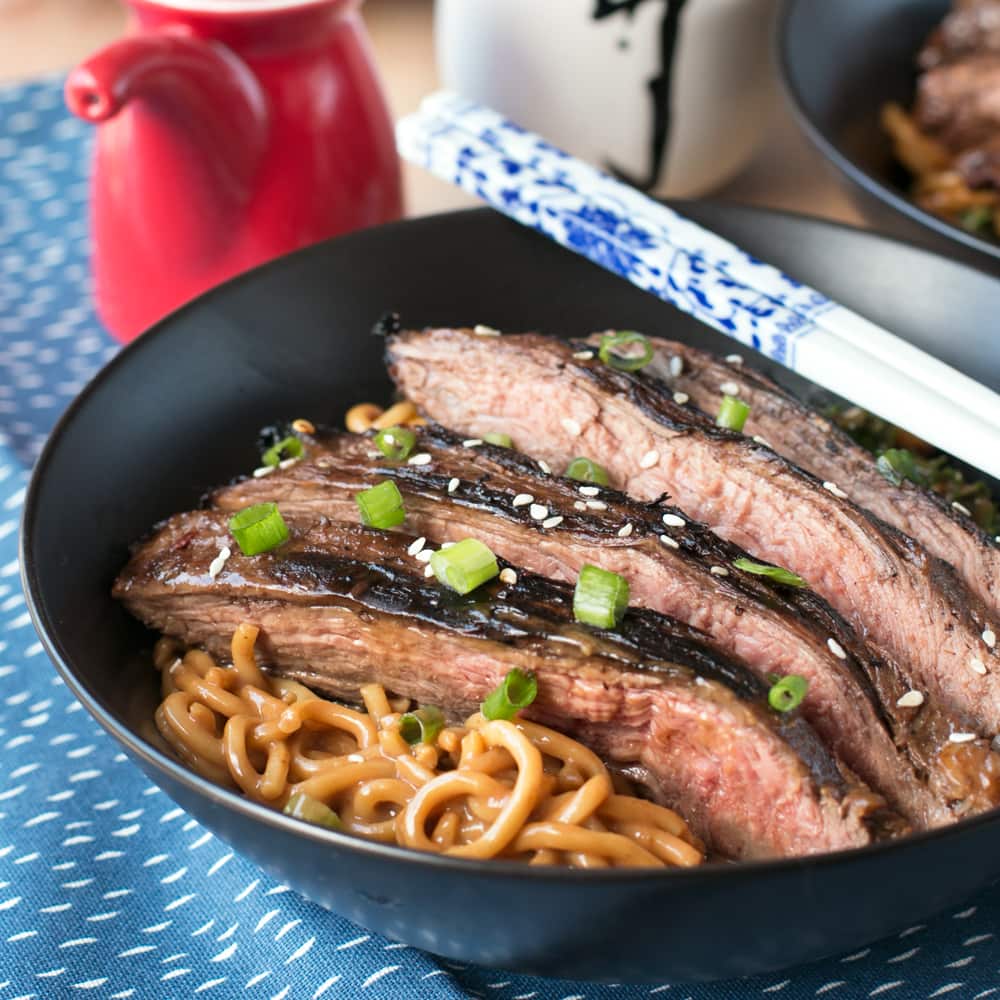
x: 178, y: 411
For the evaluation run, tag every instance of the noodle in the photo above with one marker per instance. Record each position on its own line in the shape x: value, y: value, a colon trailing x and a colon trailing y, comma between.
x: 488, y: 789
x: 938, y: 187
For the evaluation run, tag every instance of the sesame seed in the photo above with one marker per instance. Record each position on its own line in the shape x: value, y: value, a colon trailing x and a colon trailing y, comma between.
x: 288, y: 463
x: 729, y: 389
x: 219, y: 561
x: 356, y: 758
x: 453, y: 485
x: 552, y: 522
x: 676, y: 365
x: 584, y: 355
x: 416, y: 546
x: 507, y: 575
x: 718, y: 571
x: 625, y: 530
x: 424, y: 555
x: 446, y: 545
x: 990, y: 638
x: 485, y: 331
x: 735, y: 359
x: 596, y: 505
x: 471, y: 442
x: 579, y: 505
x: 570, y: 426
x: 669, y: 542
x: 649, y: 459
x: 538, y: 511
x: 836, y: 648
x: 523, y: 498
x: 763, y: 441
x: 835, y: 490
x: 680, y: 398
x: 589, y: 491
x: 264, y: 470
x: 977, y: 665
x: 544, y: 466
x: 673, y: 521
x: 961, y: 508
x: 420, y: 459
x: 371, y: 454
x: 912, y: 699
x: 962, y: 737
x: 428, y: 571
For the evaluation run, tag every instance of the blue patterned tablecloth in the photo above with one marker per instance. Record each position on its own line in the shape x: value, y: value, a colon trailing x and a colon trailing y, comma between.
x: 107, y: 889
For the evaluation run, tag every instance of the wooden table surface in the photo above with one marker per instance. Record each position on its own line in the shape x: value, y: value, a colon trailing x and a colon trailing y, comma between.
x: 38, y: 36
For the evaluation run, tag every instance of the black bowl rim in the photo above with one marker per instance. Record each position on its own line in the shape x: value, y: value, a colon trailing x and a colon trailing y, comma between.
x: 230, y: 800
x: 828, y: 146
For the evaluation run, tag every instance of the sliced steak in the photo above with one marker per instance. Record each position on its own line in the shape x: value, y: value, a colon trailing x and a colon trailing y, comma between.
x: 557, y: 399
x: 814, y: 443
x: 958, y: 103
x: 340, y: 605
x: 970, y: 29
x: 673, y: 565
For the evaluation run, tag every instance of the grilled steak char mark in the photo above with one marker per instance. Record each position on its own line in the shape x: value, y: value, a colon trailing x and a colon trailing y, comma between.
x: 909, y: 605
x: 773, y: 629
x: 810, y: 441
x: 340, y: 605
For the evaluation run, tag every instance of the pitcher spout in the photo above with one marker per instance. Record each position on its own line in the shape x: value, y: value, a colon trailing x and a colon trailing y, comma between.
x: 211, y: 89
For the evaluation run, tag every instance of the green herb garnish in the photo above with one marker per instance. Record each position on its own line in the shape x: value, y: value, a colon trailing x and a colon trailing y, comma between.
x: 775, y: 573
x: 787, y: 693
x: 381, y: 506
x: 600, y: 598
x: 258, y: 529
x: 421, y: 726
x: 516, y: 691
x: 465, y: 565
x: 625, y: 350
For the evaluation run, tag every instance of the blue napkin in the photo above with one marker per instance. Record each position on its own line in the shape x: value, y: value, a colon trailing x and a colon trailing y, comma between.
x: 107, y: 889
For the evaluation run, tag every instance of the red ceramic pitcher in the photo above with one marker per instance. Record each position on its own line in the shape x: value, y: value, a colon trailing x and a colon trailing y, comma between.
x: 231, y: 131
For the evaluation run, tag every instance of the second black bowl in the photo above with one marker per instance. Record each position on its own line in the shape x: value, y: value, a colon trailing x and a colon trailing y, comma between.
x: 841, y: 61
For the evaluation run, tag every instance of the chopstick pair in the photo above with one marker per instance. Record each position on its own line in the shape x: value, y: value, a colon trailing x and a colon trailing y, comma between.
x: 655, y: 248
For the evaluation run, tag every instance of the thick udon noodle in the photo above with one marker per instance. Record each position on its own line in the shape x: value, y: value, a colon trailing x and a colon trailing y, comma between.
x: 487, y: 789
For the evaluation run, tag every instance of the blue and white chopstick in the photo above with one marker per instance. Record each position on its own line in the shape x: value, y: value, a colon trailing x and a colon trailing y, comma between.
x: 501, y: 137
x: 639, y: 239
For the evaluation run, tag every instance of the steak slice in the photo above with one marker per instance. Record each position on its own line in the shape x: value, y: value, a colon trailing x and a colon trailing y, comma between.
x: 814, y: 443
x: 674, y: 566
x: 557, y: 399
x: 340, y: 605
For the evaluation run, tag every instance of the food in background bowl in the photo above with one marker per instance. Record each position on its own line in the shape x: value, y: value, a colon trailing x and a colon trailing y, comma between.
x: 950, y: 140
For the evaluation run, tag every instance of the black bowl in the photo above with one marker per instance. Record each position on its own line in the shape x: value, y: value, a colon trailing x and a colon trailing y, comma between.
x: 178, y: 411
x: 841, y: 61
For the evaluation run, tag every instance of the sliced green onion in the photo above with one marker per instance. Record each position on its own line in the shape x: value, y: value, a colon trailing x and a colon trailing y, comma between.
x: 516, y: 691
x: 600, y: 598
x: 259, y: 528
x: 977, y: 218
x: 305, y: 807
x: 395, y: 442
x: 733, y: 413
x: 289, y: 447
x: 625, y: 350
x: 585, y: 470
x: 421, y: 726
x: 465, y: 565
x: 897, y: 464
x: 503, y: 440
x: 381, y: 506
x: 775, y: 573
x: 787, y: 693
